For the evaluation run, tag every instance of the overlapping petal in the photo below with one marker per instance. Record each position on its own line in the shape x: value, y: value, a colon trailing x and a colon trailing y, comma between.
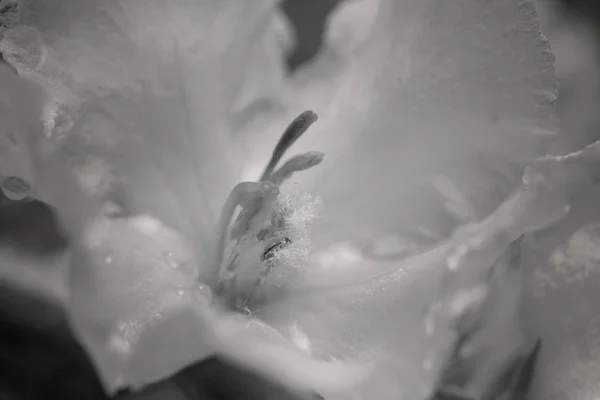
x: 461, y: 89
x: 143, y: 93
x: 136, y: 102
x: 562, y: 300
x: 458, y: 89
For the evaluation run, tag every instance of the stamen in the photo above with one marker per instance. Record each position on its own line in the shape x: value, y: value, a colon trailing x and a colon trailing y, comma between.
x: 260, y: 228
x: 244, y: 193
x: 250, y: 211
x: 298, y: 163
x: 289, y: 137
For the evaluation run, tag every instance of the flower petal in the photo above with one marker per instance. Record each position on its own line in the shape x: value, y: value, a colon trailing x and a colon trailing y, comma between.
x: 142, y: 93
x: 410, y: 315
x: 138, y: 313
x: 463, y: 89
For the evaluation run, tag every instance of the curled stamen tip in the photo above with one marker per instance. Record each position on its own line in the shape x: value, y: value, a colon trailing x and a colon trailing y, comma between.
x: 306, y: 118
x: 298, y: 163
x: 306, y: 160
x: 293, y: 132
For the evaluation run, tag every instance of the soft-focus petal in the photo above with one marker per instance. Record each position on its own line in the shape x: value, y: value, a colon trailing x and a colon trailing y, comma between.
x: 138, y: 99
x: 353, y: 308
x: 464, y: 89
x: 135, y: 307
x: 459, y: 89
x: 126, y: 277
x: 141, y: 93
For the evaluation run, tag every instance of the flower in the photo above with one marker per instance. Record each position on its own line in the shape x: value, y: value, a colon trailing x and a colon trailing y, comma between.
x: 158, y: 109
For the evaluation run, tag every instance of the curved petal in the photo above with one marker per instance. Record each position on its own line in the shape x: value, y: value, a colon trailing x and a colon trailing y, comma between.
x: 135, y: 309
x: 126, y: 276
x: 563, y: 297
x: 461, y: 89
x: 139, y: 98
x: 404, y: 315
x: 141, y: 93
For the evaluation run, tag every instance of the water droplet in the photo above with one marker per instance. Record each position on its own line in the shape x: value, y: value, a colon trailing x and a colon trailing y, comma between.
x: 108, y: 260
x: 172, y: 259
x: 180, y: 292
x: 300, y: 338
x: 118, y: 341
x: 15, y: 188
x: 202, y: 292
x: 466, y: 300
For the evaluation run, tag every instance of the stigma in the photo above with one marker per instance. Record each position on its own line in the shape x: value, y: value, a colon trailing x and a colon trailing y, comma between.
x: 264, y: 229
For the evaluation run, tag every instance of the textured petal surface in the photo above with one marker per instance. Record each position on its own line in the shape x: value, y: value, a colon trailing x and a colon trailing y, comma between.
x: 563, y: 302
x: 142, y: 318
x: 462, y: 89
x: 398, y: 313
x: 138, y: 100
x: 131, y: 302
x: 140, y: 97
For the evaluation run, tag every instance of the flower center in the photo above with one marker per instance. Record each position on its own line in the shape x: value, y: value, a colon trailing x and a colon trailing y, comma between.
x: 251, y: 248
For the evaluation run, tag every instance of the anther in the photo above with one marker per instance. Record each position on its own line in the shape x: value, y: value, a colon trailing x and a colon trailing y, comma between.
x: 298, y: 163
x: 243, y: 193
x: 289, y: 137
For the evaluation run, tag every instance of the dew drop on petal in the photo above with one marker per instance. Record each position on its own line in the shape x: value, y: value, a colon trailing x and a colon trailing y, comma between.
x: 202, y: 293
x: 118, y: 341
x: 108, y: 260
x: 467, y: 299
x: 300, y: 339
x: 15, y: 188
x: 172, y: 259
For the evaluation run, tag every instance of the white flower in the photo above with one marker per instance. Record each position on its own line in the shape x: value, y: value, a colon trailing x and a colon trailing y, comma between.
x: 161, y: 107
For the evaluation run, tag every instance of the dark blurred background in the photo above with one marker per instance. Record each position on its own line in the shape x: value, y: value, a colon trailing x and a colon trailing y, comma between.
x: 38, y: 357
